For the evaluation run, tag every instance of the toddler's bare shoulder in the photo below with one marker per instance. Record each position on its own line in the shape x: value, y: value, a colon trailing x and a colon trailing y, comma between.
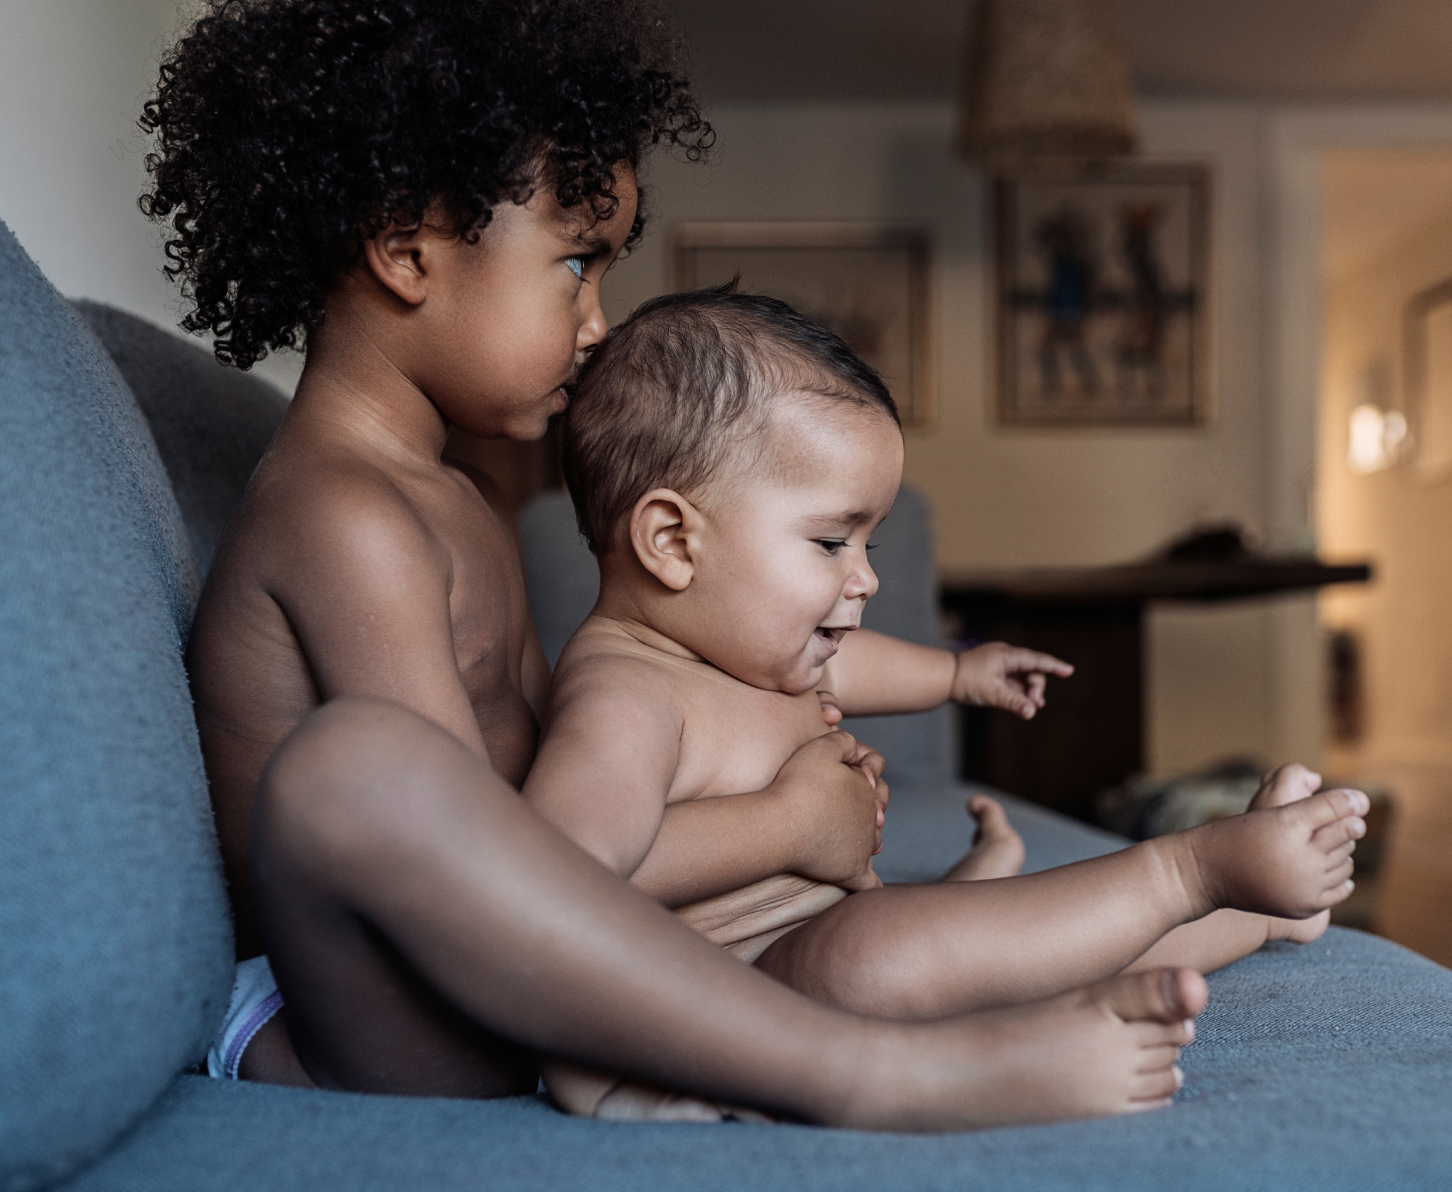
x: 340, y: 532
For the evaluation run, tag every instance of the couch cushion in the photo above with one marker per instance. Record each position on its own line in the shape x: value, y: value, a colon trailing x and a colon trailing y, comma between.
x: 1316, y: 1069
x: 211, y: 423
x: 113, y: 923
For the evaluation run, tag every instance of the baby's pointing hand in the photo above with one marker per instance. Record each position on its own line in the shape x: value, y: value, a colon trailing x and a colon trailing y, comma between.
x: 1007, y: 677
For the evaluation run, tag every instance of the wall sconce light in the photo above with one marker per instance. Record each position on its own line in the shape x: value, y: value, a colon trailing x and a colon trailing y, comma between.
x: 1378, y: 438
x: 1048, y: 86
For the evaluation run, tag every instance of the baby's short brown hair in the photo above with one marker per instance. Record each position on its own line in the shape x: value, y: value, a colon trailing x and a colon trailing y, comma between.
x: 683, y: 383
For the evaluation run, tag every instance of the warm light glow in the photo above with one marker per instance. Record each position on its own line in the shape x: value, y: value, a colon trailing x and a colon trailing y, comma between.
x: 1377, y: 438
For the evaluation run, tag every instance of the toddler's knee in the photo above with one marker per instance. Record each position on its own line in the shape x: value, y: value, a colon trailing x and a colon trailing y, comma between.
x: 338, y: 779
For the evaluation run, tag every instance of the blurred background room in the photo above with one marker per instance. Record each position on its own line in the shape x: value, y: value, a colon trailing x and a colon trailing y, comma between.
x: 1164, y: 288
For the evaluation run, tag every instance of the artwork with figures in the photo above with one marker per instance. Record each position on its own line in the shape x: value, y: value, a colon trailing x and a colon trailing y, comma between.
x: 1102, y: 297
x: 864, y: 282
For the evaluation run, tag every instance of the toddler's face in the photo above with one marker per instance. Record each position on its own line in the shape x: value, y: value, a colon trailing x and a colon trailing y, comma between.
x: 784, y: 574
x: 524, y: 310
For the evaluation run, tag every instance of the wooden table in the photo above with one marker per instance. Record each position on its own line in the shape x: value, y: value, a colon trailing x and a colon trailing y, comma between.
x: 1091, y: 734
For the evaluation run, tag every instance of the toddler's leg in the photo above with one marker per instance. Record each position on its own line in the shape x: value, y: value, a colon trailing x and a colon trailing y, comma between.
x: 424, y: 924
x: 919, y: 952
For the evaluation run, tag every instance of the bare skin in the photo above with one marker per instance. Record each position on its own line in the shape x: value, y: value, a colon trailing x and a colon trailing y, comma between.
x: 365, y: 628
x: 718, y: 622
x: 362, y: 563
x: 373, y: 822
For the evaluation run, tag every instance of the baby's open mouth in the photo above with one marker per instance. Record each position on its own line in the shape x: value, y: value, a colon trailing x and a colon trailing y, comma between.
x: 828, y: 633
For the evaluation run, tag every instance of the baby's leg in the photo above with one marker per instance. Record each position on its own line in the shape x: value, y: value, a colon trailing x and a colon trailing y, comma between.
x: 1225, y: 936
x: 997, y: 849
x: 425, y: 924
x: 919, y: 952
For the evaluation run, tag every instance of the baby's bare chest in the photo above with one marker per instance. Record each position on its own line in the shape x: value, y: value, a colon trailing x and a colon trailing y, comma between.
x: 736, y: 737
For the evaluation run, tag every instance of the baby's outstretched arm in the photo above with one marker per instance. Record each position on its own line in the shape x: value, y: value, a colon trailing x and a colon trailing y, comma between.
x: 875, y: 675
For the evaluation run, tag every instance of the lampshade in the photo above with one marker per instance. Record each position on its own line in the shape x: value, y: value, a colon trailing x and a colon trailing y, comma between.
x: 1048, y: 85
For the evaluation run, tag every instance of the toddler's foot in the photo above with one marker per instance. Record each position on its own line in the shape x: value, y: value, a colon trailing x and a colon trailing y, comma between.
x: 587, y: 1093
x: 1289, y: 856
x: 1109, y: 1048
x: 997, y: 849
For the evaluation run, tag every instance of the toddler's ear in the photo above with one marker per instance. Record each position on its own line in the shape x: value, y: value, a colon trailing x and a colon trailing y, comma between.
x: 662, y: 527
x: 399, y: 259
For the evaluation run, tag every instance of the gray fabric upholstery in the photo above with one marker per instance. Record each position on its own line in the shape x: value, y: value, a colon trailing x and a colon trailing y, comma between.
x: 563, y: 583
x: 211, y: 423
x: 1303, y: 1079
x: 918, y: 748
x: 559, y: 570
x: 115, y: 947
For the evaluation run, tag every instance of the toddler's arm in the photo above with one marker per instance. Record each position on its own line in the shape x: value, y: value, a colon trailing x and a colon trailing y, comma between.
x: 876, y: 675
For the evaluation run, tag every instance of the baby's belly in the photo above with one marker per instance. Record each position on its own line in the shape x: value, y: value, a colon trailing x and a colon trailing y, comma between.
x: 745, y: 922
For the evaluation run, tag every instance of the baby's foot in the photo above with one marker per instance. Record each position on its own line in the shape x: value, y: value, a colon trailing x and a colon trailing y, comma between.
x: 1298, y: 931
x: 1291, y: 860
x: 1109, y: 1048
x: 1285, y: 784
x: 997, y: 849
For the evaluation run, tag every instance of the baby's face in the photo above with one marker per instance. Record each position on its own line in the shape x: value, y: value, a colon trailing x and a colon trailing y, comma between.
x: 783, y: 575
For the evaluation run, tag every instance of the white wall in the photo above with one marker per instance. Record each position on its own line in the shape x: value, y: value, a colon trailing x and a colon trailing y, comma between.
x: 1025, y: 497
x: 73, y: 74
x: 73, y: 77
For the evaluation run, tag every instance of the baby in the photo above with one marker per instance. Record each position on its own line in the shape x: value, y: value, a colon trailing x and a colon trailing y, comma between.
x: 729, y: 461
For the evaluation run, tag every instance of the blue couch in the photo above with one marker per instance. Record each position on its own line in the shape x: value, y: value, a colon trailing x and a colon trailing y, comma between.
x: 1324, y: 1067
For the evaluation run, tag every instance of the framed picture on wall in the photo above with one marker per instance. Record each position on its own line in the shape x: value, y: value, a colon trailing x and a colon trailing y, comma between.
x: 1428, y: 371
x: 1102, y: 298
x: 867, y: 283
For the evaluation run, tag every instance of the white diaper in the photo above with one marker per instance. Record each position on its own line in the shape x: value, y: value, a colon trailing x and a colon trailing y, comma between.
x: 255, y: 999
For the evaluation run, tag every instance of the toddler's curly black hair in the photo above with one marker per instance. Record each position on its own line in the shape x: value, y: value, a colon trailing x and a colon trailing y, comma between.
x: 289, y: 131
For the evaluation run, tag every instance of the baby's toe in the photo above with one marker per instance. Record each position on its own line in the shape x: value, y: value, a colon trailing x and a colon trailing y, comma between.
x: 1339, y: 833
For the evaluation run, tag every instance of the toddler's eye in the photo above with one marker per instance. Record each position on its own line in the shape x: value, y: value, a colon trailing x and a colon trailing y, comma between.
x: 576, y: 266
x: 831, y: 545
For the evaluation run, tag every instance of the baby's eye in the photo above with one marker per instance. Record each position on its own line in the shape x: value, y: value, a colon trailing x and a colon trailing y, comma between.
x: 831, y: 545
x: 576, y: 265
x: 872, y: 546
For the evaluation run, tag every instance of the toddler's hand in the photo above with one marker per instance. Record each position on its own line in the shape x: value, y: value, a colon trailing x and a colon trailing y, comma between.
x: 1007, y: 677
x: 833, y: 803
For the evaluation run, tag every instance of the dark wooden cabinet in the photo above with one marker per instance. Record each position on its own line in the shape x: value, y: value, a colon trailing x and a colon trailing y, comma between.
x: 1091, y: 734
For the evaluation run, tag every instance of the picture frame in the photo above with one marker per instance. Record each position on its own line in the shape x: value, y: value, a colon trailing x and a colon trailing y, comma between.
x: 1102, y: 297
x: 1427, y: 351
x: 868, y: 283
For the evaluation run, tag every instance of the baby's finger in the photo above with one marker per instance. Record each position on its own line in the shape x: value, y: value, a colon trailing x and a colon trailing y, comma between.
x: 831, y: 710
x: 1032, y: 660
x: 1036, y: 685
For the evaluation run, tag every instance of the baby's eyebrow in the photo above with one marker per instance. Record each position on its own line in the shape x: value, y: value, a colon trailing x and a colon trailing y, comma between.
x: 831, y: 521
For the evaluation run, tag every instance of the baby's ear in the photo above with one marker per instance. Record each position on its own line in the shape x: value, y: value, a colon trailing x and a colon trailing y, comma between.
x: 662, y: 527
x: 399, y: 259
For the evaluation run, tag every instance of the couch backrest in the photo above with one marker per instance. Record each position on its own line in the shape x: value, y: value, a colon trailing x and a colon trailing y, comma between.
x: 114, y: 933
x: 211, y: 424
x: 563, y: 582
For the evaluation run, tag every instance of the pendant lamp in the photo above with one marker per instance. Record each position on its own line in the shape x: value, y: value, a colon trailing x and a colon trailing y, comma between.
x: 1048, y: 86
